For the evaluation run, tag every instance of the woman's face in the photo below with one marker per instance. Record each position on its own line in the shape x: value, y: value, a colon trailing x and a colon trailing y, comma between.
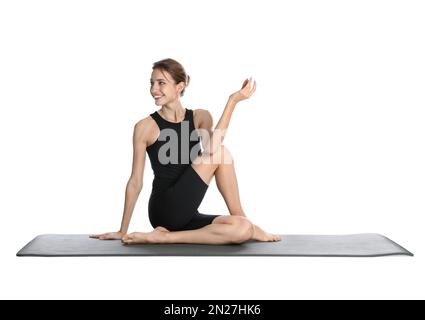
x: 163, y: 87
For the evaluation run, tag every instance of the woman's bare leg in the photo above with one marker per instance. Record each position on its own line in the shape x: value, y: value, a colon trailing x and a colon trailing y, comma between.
x: 223, y: 230
x: 222, y: 167
x: 227, y: 184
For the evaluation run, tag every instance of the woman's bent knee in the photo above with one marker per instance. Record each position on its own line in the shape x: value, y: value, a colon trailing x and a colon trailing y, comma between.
x: 221, y: 156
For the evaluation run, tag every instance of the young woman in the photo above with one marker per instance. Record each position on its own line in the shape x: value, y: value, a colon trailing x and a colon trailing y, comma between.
x: 182, y: 171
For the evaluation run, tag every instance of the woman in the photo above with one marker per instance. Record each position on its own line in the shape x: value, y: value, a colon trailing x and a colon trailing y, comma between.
x: 182, y: 172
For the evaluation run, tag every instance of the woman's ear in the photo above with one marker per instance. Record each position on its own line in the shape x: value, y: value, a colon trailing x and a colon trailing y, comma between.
x: 181, y: 86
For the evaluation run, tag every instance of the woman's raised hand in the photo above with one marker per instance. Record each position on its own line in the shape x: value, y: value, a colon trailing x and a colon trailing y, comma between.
x: 108, y: 236
x: 248, y: 88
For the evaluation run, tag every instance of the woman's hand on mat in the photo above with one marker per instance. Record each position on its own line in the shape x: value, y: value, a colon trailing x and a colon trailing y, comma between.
x: 248, y: 88
x: 108, y: 236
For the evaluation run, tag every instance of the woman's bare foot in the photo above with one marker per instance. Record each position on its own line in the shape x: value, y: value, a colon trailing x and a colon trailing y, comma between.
x: 261, y: 235
x: 155, y: 236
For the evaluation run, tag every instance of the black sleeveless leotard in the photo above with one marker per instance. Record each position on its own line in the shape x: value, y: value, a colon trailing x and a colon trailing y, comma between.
x: 177, y: 189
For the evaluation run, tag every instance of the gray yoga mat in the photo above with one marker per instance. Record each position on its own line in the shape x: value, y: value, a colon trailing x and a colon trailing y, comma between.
x: 353, y: 245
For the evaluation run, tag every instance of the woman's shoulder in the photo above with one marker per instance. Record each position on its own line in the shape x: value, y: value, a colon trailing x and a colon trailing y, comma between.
x: 146, y: 122
x: 146, y: 128
x: 200, y: 112
x: 201, y: 115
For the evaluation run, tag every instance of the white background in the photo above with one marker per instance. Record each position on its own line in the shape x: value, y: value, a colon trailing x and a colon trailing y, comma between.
x: 332, y: 141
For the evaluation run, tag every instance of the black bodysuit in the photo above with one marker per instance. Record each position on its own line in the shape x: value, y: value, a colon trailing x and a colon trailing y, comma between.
x: 177, y: 189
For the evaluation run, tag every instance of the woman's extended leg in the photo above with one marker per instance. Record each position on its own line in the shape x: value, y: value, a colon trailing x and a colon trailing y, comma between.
x: 223, y: 230
x: 222, y: 167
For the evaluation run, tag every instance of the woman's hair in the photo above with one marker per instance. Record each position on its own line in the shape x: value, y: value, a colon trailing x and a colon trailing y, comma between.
x: 175, y: 69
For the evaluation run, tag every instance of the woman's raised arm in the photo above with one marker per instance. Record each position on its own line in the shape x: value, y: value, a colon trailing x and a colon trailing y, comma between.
x: 213, y: 140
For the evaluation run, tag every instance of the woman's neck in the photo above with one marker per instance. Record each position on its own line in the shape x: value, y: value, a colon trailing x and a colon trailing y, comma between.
x: 173, y: 114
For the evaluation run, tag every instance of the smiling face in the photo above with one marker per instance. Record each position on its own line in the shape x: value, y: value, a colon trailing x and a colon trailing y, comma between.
x: 163, y: 87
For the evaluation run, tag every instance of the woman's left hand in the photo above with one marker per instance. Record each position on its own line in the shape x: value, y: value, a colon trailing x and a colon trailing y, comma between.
x: 248, y: 88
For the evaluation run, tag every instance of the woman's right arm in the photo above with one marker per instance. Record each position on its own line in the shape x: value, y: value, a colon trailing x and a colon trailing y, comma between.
x: 134, y: 184
x: 213, y: 140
